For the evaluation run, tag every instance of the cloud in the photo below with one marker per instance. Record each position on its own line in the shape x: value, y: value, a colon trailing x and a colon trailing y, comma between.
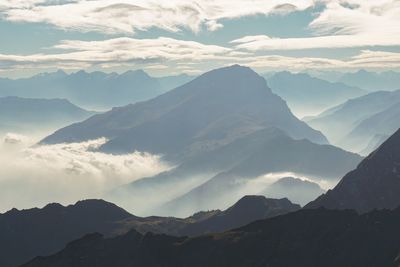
x: 341, y: 24
x: 35, y: 175
x: 124, y: 50
x: 366, y: 59
x: 128, y: 16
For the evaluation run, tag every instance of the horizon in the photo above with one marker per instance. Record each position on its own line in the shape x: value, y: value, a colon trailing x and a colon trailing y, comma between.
x: 185, y: 37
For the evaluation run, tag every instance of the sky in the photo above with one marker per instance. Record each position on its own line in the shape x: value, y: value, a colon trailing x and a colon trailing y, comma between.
x: 184, y: 36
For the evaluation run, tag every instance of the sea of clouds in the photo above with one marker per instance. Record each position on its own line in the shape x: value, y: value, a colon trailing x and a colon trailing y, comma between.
x: 33, y: 175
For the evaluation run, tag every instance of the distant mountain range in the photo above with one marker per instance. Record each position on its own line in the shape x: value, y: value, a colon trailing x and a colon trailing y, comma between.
x: 225, y: 123
x: 27, y: 115
x: 373, y: 81
x: 307, y: 95
x: 28, y: 233
x: 361, y: 124
x: 374, y: 184
x: 313, y: 236
x: 95, y: 90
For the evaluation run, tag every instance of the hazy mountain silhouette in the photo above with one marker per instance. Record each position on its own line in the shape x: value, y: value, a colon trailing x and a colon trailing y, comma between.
x: 372, y: 81
x: 374, y: 184
x: 337, y: 122
x: 218, y: 177
x: 212, y: 110
x: 305, y: 238
x: 28, y: 233
x: 27, y: 115
x: 308, y: 95
x: 97, y: 90
x: 297, y: 190
x: 371, y: 130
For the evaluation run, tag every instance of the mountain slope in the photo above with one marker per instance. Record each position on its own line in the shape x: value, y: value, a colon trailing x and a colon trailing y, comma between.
x: 210, y: 111
x: 208, y: 179
x: 339, y: 121
x: 374, y: 184
x: 384, y: 123
x: 307, y: 238
x: 307, y: 95
x: 271, y: 153
x: 25, y: 114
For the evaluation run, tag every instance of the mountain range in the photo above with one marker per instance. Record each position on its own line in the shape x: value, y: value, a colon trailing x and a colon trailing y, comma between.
x: 314, y: 236
x: 307, y: 95
x: 372, y: 81
x: 226, y: 121
x: 26, y: 115
x: 28, y: 233
x: 304, y: 238
x: 95, y: 90
x: 358, y: 124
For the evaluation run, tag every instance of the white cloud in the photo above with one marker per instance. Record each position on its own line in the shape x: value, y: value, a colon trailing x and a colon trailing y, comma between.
x: 127, y: 16
x: 77, y: 54
x: 366, y: 59
x: 65, y: 173
x: 341, y: 24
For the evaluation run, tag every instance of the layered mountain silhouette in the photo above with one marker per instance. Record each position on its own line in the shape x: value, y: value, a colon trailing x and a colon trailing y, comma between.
x: 356, y: 122
x: 374, y: 184
x: 28, y: 233
x: 225, y: 121
x: 297, y: 190
x: 374, y: 130
x: 212, y: 110
x: 307, y: 95
x: 261, y: 153
x: 27, y: 114
x: 372, y: 81
x: 304, y: 238
x: 97, y: 90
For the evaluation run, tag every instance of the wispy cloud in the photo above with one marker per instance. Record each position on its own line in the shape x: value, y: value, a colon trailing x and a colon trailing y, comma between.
x: 182, y: 56
x: 121, y: 51
x: 341, y: 24
x: 128, y: 16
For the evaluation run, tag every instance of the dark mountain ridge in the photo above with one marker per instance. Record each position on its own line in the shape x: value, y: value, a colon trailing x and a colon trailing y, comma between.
x: 28, y: 233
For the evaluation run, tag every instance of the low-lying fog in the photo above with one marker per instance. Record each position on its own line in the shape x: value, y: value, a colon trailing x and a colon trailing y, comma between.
x: 34, y: 175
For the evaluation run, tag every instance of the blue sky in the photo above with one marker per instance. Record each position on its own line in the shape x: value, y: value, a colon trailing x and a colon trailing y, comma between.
x: 182, y: 36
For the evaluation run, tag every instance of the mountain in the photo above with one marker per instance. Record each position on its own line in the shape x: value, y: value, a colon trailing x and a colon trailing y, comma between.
x: 55, y: 225
x: 264, y: 152
x: 372, y: 81
x: 212, y: 110
x: 226, y: 121
x: 25, y: 114
x: 307, y: 95
x: 374, y: 184
x: 371, y: 130
x: 336, y: 123
x: 97, y: 90
x: 244, y: 211
x: 306, y: 238
x: 297, y: 190
x: 28, y: 233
